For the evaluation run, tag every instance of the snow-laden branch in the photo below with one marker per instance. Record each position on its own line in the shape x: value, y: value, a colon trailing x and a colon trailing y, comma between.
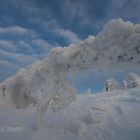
x: 116, y: 47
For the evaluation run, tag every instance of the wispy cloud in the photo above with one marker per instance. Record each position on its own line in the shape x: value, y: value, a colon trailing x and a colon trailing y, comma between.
x: 19, y: 47
x: 14, y: 30
x: 41, y: 46
x: 7, y: 45
x: 11, y: 62
x: 70, y: 36
x: 17, y: 31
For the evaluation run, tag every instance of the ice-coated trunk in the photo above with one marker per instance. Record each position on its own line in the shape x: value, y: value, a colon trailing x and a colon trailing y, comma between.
x: 41, y: 113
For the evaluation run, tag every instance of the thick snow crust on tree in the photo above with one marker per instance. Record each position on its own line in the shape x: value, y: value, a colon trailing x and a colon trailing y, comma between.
x: 117, y: 46
x: 112, y: 84
x: 132, y: 80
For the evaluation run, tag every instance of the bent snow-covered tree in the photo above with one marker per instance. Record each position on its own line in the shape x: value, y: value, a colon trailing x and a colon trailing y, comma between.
x: 116, y: 47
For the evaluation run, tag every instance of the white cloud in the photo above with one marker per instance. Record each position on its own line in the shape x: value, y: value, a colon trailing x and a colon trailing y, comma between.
x: 70, y: 36
x: 25, y: 47
x: 22, y: 49
x: 17, y: 30
x: 52, y: 26
x: 7, y: 45
x: 14, y: 30
x: 4, y: 63
x: 25, y: 42
x: 19, y: 59
x: 6, y: 69
x: 10, y: 62
x: 42, y: 44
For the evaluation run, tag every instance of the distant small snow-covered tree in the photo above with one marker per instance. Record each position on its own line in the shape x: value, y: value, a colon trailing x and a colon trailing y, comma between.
x: 111, y: 85
x: 131, y: 80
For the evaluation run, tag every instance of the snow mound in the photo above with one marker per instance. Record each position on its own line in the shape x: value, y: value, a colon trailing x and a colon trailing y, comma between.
x: 105, y: 116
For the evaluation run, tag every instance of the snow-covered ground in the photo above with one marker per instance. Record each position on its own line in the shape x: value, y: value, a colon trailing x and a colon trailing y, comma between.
x: 104, y: 116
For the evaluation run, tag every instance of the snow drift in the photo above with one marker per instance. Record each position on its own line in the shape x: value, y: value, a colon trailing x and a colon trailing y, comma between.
x: 104, y: 116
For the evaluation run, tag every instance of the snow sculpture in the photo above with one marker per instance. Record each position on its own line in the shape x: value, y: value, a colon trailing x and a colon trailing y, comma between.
x: 111, y: 85
x: 132, y: 80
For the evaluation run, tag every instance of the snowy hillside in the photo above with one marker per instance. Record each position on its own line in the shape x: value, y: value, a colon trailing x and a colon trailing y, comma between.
x: 39, y: 102
x: 106, y: 116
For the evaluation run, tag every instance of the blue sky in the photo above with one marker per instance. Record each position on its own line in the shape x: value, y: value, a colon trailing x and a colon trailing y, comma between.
x: 30, y: 28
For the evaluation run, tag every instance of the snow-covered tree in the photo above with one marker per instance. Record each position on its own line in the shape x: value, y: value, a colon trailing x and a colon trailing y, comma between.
x: 132, y: 80
x: 111, y: 84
